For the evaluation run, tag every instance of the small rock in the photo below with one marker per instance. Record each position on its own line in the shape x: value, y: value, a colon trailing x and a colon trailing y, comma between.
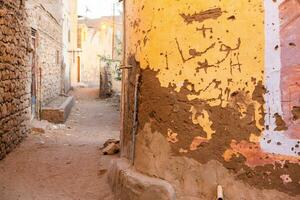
x: 109, y: 141
x: 38, y: 130
x: 111, y: 149
x: 54, y: 127
x: 102, y: 172
x: 62, y: 126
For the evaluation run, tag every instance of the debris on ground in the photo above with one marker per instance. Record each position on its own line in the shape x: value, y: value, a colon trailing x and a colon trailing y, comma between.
x: 38, y: 130
x: 111, y: 149
x: 39, y: 127
x: 102, y: 172
x: 109, y: 141
x: 111, y: 146
x: 57, y: 126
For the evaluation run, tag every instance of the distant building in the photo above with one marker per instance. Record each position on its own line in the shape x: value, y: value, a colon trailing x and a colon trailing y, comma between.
x: 69, y: 41
x: 98, y: 40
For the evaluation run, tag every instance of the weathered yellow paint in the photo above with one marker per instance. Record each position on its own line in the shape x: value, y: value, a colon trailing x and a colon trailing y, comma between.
x: 171, y: 34
x: 203, y: 120
x: 207, y: 99
x: 172, y: 137
x: 253, y: 138
x: 228, y: 154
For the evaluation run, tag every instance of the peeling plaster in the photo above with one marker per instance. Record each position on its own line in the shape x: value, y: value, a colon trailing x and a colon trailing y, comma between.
x: 203, y: 86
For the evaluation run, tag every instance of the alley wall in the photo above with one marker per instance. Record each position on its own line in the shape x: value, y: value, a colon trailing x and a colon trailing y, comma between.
x: 69, y: 41
x: 218, y: 96
x: 14, y: 75
x: 46, y: 18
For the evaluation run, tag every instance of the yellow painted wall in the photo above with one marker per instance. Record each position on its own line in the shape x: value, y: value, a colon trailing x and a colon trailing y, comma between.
x: 167, y: 34
x: 209, y: 58
x: 234, y: 58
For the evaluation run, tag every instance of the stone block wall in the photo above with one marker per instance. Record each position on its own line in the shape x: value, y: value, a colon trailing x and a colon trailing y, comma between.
x: 14, y: 75
x: 46, y: 18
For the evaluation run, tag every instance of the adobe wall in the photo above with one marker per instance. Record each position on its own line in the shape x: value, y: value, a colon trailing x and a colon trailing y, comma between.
x: 14, y: 75
x: 213, y: 96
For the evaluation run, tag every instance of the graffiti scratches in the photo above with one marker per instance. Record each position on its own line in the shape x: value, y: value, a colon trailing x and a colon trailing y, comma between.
x: 204, y: 65
x: 193, y: 52
x: 237, y: 64
x: 227, y: 49
x: 204, y: 29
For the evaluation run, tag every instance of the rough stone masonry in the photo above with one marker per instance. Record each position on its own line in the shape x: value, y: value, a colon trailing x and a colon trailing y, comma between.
x: 14, y: 75
x: 45, y: 17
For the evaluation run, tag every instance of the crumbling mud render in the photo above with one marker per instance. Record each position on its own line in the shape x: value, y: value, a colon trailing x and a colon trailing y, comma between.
x: 202, y: 109
x: 166, y: 108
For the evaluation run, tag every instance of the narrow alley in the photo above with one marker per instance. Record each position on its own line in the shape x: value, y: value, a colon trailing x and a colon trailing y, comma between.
x: 65, y: 162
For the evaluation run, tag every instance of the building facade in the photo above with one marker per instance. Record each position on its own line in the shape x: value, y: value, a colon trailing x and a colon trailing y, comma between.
x: 46, y: 24
x: 31, y: 62
x: 14, y: 75
x: 69, y: 41
x: 89, y: 54
x: 216, y: 89
x: 98, y: 43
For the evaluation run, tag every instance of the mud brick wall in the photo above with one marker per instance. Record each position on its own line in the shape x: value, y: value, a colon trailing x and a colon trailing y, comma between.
x: 14, y: 75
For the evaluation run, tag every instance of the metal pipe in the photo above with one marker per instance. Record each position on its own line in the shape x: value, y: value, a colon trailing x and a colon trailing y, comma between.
x: 135, y: 116
x: 123, y: 89
x: 220, y: 195
x: 40, y: 95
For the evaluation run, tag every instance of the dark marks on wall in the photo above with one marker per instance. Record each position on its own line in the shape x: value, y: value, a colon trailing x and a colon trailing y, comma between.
x: 214, y: 13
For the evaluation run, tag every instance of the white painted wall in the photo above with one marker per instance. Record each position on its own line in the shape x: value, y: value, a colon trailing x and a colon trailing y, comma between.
x: 272, y: 73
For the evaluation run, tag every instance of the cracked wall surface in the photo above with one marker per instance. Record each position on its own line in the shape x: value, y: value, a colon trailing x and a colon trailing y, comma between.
x: 14, y: 75
x: 213, y: 75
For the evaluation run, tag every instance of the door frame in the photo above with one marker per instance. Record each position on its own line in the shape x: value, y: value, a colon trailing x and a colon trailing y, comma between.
x: 78, y: 69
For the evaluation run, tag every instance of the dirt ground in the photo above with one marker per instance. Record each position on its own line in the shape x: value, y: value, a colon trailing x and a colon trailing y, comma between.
x: 65, y: 162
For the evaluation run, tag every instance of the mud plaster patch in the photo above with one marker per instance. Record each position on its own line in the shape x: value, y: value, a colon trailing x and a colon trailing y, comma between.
x: 296, y: 113
x: 280, y: 123
x: 165, y: 108
x: 202, y: 16
x: 258, y: 96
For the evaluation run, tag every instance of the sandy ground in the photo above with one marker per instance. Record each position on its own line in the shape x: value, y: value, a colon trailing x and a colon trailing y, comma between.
x: 65, y: 162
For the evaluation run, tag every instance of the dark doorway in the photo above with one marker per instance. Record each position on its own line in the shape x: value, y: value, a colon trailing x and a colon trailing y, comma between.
x: 33, y: 73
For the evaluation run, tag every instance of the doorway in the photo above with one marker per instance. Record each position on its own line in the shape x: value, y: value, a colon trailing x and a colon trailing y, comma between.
x: 33, y: 73
x: 78, y: 69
